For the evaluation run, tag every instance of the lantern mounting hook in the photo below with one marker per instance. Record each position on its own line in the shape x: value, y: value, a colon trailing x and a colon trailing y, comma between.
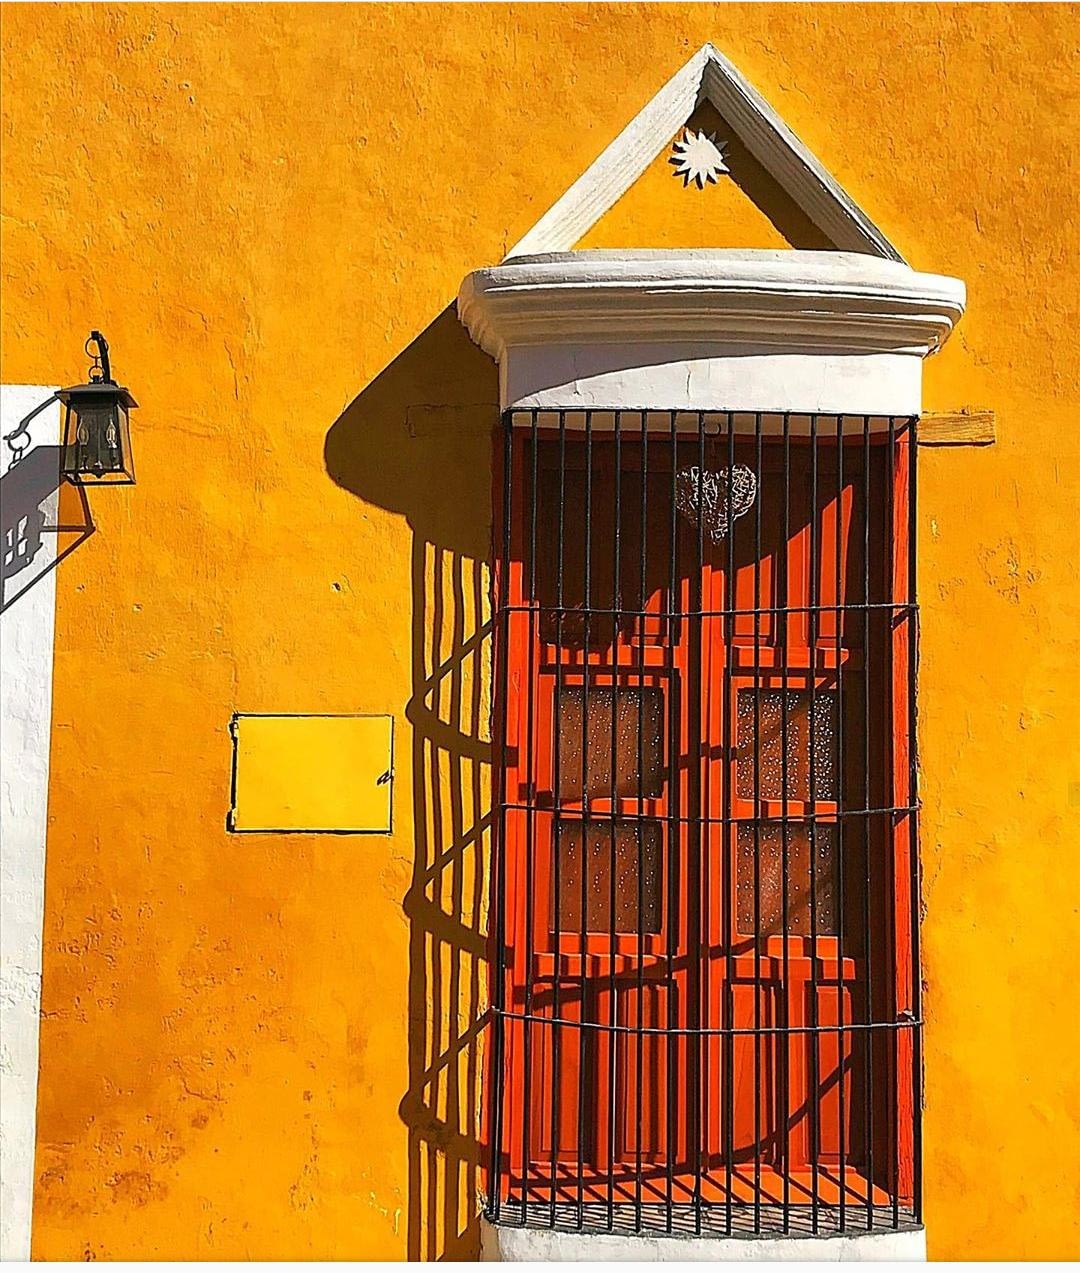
x: 100, y: 371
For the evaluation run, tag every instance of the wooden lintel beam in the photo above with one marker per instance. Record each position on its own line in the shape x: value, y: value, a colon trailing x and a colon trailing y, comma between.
x: 957, y: 428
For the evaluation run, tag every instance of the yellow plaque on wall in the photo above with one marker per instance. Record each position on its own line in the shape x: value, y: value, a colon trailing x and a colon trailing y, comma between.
x: 312, y: 773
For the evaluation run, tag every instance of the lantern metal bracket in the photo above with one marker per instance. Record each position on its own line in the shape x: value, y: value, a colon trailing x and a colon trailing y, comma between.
x: 22, y: 430
x: 100, y: 371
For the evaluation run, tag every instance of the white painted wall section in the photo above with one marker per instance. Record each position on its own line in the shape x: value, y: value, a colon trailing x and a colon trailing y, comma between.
x: 26, y: 661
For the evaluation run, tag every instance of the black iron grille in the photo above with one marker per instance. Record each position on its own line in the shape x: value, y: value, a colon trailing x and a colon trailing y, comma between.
x: 704, y: 914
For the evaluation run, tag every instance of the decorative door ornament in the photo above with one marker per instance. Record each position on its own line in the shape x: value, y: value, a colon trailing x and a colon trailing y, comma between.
x: 702, y: 497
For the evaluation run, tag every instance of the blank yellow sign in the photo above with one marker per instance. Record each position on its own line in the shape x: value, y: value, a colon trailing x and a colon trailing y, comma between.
x: 312, y: 773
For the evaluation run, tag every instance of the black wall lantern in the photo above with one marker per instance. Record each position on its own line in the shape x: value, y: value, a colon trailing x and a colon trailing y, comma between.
x: 44, y: 487
x: 97, y: 435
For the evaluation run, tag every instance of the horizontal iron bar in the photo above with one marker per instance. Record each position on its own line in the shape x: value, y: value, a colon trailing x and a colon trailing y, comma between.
x: 574, y: 812
x: 903, y: 607
x: 699, y: 1031
x: 537, y: 1214
x: 707, y: 413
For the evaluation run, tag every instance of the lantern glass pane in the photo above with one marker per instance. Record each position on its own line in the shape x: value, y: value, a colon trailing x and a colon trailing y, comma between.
x: 97, y: 445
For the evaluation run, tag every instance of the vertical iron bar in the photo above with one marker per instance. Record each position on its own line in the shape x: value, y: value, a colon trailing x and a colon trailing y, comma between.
x: 785, y: 998
x: 838, y: 874
x: 728, y: 836
x: 759, y: 619
x: 868, y: 951
x: 557, y: 1030
x: 811, y: 794
x: 530, y: 829
x: 675, y: 693
x: 583, y: 1030
x: 615, y: 686
x: 912, y: 621
x: 640, y: 654
x: 889, y: 876
x: 693, y: 839
x: 698, y: 808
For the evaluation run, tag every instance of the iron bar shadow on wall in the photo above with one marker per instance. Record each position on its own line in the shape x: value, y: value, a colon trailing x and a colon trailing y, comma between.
x: 706, y: 1013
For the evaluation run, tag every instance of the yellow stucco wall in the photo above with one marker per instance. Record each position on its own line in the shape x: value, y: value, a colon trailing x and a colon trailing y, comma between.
x: 265, y: 1046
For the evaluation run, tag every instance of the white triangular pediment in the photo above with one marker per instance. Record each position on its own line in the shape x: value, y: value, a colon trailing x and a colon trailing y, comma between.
x: 708, y: 76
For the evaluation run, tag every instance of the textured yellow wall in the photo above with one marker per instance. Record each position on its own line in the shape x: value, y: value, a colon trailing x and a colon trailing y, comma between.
x: 265, y: 1046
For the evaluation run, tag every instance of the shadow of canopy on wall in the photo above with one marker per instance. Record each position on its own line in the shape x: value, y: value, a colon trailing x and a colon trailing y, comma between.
x: 417, y: 441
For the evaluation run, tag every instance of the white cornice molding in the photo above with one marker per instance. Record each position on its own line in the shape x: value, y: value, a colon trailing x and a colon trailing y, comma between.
x: 708, y: 76
x: 702, y: 330
x: 794, y: 300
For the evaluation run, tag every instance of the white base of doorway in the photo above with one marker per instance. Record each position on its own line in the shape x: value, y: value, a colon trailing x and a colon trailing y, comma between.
x: 503, y: 1242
